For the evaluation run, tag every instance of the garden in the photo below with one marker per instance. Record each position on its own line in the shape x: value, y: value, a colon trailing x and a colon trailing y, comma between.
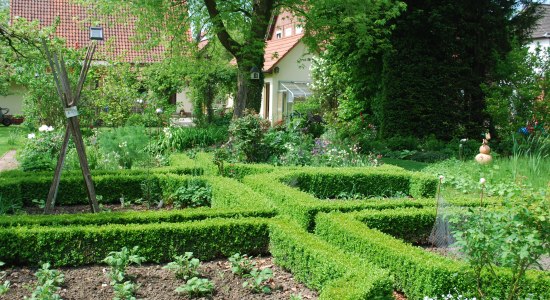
x: 385, y: 183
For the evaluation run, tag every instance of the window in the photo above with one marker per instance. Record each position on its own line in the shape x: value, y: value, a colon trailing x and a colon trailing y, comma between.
x: 279, y: 34
x: 299, y: 29
x: 288, y: 31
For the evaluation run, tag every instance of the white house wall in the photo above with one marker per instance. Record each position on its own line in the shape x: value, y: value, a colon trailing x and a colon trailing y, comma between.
x: 14, y: 101
x: 183, y: 101
x: 295, y: 66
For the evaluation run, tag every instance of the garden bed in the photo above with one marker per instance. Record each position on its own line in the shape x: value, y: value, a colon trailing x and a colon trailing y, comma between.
x: 91, y: 282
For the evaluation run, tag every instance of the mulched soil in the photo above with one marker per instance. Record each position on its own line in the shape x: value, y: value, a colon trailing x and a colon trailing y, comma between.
x: 156, y: 283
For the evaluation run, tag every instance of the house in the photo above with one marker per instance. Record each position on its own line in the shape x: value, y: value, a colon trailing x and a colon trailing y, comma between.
x: 74, y: 23
x: 286, y: 68
x: 540, y: 37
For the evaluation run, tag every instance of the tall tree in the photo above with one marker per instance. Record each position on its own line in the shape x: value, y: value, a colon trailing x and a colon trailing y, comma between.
x: 241, y: 26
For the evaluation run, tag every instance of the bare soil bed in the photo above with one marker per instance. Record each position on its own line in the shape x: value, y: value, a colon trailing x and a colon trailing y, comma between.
x: 78, y: 209
x: 156, y: 283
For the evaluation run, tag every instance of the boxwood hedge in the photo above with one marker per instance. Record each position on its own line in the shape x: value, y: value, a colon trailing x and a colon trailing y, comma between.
x: 417, y: 272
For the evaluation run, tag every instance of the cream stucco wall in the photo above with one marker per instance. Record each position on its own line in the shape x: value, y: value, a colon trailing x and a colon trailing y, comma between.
x: 14, y: 101
x: 295, y: 66
x: 183, y: 101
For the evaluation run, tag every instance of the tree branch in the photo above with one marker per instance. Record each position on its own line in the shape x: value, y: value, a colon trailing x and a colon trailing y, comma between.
x: 225, y: 39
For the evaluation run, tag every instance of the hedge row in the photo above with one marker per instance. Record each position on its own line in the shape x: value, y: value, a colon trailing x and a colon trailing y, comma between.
x: 385, y: 181
x: 303, y: 206
x: 81, y: 245
x: 132, y: 217
x: 417, y: 272
x: 324, y: 267
x: 226, y: 192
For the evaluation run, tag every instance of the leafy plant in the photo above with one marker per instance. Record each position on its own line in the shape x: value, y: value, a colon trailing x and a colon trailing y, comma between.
x: 9, y: 206
x: 125, y: 290
x: 197, y: 287
x: 515, y: 237
x: 49, y: 282
x: 241, y: 264
x: 295, y: 297
x: 150, y: 191
x: 184, y: 266
x: 257, y: 280
x: 6, y: 285
x: 247, y: 134
x: 194, y: 194
x: 119, y: 261
x: 127, y: 144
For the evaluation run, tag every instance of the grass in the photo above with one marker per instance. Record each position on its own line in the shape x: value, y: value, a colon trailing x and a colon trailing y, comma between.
x: 410, y: 165
x: 11, y: 138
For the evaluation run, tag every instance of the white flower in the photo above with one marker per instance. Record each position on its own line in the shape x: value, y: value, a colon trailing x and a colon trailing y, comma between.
x: 441, y: 177
x: 43, y: 128
x: 50, y: 128
x: 482, y: 180
x: 31, y: 136
x: 158, y: 110
x: 463, y: 140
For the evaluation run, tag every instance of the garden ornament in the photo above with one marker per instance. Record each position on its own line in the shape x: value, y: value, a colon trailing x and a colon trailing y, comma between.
x: 484, y: 157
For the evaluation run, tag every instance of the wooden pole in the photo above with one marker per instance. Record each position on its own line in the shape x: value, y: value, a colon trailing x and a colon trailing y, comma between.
x: 69, y: 100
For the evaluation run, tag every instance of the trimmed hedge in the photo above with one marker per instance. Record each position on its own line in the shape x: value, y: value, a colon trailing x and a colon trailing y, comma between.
x: 239, y: 170
x: 81, y: 245
x: 226, y: 192
x: 324, y: 267
x: 132, y: 217
x: 303, y: 206
x: 417, y: 272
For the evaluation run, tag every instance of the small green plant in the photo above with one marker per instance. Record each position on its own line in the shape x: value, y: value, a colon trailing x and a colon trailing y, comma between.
x: 119, y: 261
x: 9, y: 206
x: 4, y: 288
x: 241, y: 264
x: 125, y: 291
x: 184, y: 266
x: 195, y: 193
x: 150, y: 191
x: 49, y: 282
x: 41, y: 203
x: 257, y: 280
x: 197, y: 287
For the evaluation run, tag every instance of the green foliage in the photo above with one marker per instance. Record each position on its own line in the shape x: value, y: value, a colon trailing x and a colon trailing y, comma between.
x: 119, y: 261
x: 194, y: 193
x: 41, y: 152
x: 197, y: 287
x: 324, y: 267
x: 151, y: 191
x: 514, y: 237
x: 425, y: 273
x: 158, y: 242
x: 9, y: 205
x: 184, y: 266
x: 241, y: 264
x: 258, y: 279
x: 126, y: 144
x: 247, y: 135
x: 125, y: 290
x: 184, y: 138
x: 518, y: 93
x: 49, y: 282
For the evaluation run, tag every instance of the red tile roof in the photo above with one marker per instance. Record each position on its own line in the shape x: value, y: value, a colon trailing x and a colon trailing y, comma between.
x: 74, y: 28
x: 275, y: 50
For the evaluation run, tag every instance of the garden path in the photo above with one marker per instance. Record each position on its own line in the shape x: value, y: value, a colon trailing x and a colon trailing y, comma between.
x: 8, y: 161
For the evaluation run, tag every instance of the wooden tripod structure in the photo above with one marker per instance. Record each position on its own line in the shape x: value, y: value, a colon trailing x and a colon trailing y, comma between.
x: 69, y: 100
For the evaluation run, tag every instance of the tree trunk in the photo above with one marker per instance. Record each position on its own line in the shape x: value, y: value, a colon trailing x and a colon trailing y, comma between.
x: 239, y: 103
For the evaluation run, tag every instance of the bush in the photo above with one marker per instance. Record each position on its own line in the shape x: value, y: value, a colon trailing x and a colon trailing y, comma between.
x: 324, y: 267
x: 126, y: 144
x: 208, y: 239
x: 247, y: 135
x: 41, y: 152
x: 417, y: 272
x: 183, y: 138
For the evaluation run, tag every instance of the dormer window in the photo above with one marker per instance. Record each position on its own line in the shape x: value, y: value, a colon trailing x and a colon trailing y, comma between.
x: 279, y: 34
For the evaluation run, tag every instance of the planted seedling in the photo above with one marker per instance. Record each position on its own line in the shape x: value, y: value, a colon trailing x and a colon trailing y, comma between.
x: 4, y: 288
x: 241, y: 264
x: 48, y: 284
x: 197, y: 287
x: 184, y: 266
x: 257, y: 280
x: 125, y: 290
x: 119, y: 261
x: 295, y: 297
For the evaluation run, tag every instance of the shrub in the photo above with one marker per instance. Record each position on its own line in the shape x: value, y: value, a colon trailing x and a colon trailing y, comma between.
x: 247, y: 135
x: 126, y: 144
x: 41, y: 152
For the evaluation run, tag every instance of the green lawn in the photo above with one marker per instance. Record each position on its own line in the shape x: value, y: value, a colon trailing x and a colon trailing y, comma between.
x: 11, y: 138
